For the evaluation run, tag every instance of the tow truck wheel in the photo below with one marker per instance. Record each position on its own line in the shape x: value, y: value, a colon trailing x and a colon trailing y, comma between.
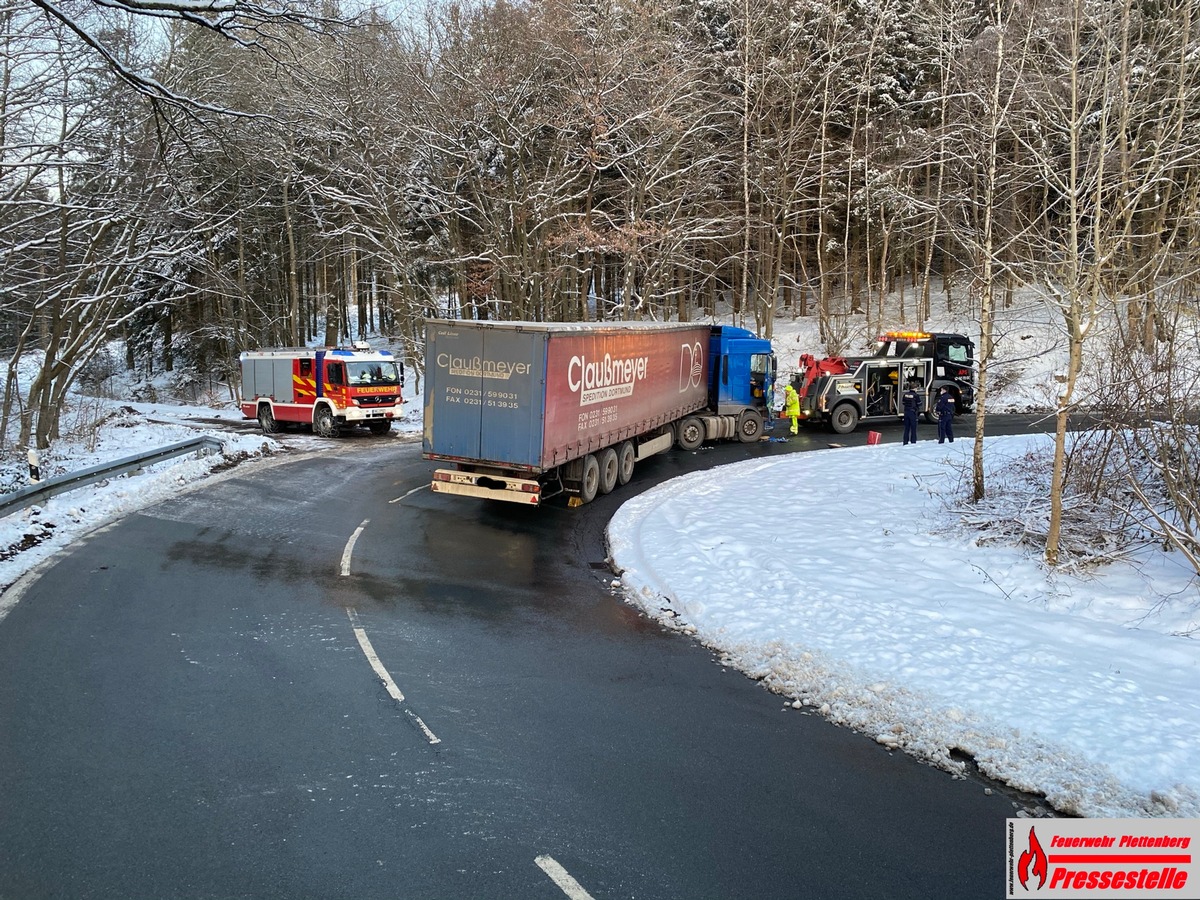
x: 323, y: 423
x: 266, y: 419
x: 590, y: 483
x: 930, y: 413
x: 380, y: 426
x: 844, y: 418
x: 691, y: 434
x: 626, y: 458
x: 750, y: 425
x: 609, y: 470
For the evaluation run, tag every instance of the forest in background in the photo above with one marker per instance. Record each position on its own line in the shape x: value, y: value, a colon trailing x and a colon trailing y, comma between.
x: 193, y: 180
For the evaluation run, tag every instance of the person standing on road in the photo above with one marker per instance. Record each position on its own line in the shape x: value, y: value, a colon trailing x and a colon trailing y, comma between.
x: 945, y: 414
x: 791, y: 407
x: 911, y: 399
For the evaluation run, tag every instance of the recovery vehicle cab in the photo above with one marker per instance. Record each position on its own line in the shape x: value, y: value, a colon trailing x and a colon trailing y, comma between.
x: 841, y: 392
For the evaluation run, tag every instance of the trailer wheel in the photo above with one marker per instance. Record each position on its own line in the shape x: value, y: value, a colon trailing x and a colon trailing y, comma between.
x: 267, y: 420
x: 844, y: 418
x: 610, y: 468
x: 324, y: 424
x: 750, y: 426
x: 626, y: 458
x: 691, y: 434
x: 590, y: 483
x: 380, y: 426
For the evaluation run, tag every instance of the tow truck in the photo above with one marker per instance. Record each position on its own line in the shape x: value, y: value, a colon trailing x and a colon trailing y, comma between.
x: 841, y: 392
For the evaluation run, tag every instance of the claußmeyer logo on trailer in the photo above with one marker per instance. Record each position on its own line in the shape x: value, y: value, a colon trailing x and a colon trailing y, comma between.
x: 597, y: 380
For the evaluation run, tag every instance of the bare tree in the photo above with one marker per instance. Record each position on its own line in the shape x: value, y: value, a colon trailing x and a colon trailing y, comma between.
x: 246, y: 24
x: 990, y: 72
x: 1086, y: 105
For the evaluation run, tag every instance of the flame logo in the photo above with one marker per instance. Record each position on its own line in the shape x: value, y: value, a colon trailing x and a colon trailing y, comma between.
x: 1036, y: 855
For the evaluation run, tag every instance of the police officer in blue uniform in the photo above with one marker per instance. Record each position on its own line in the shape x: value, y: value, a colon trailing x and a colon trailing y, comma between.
x: 911, y: 400
x: 945, y: 414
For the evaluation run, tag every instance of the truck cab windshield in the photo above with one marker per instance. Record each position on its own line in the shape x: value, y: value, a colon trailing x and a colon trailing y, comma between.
x: 956, y: 352
x: 376, y: 374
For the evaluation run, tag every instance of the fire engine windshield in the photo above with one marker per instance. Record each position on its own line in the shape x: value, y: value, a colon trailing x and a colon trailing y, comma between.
x: 376, y: 374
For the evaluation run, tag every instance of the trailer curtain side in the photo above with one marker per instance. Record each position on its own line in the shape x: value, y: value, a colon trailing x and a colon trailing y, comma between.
x: 537, y: 395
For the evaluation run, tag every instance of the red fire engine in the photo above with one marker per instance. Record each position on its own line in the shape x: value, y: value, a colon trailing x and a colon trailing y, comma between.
x: 329, y: 388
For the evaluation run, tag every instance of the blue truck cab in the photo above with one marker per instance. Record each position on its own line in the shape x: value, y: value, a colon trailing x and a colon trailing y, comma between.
x: 741, y: 372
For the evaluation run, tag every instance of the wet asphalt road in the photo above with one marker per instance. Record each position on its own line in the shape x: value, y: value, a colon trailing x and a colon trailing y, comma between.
x: 189, y: 708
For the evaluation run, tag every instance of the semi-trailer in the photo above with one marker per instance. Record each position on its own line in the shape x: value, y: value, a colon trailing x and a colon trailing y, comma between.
x: 525, y: 411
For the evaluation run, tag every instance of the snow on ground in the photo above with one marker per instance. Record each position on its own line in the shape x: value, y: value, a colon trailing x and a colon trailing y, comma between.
x: 31, y: 535
x: 862, y: 597
x: 841, y: 578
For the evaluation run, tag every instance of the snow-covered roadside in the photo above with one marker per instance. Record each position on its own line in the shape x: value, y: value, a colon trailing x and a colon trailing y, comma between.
x: 842, y: 581
x: 32, y: 535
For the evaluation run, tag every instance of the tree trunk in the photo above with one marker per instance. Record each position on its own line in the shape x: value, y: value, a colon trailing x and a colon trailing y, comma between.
x: 293, y: 279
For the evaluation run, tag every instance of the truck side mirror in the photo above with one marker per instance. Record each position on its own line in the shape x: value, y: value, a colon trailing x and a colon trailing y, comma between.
x: 401, y: 365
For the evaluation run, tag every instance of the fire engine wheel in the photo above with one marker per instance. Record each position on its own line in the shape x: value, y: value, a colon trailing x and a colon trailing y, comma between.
x: 626, y: 458
x: 610, y: 468
x: 590, y: 483
x: 324, y: 424
x: 750, y: 426
x: 266, y: 419
x: 844, y: 418
x: 380, y: 426
x: 691, y: 434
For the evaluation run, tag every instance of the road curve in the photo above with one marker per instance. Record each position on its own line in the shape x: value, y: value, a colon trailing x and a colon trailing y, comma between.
x: 322, y: 680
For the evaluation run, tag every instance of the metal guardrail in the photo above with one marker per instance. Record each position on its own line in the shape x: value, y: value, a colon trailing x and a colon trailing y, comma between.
x: 44, y: 490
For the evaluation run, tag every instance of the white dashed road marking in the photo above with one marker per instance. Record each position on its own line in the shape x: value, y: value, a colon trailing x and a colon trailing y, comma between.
x: 350, y: 547
x: 562, y: 878
x: 409, y: 494
x: 392, y: 688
